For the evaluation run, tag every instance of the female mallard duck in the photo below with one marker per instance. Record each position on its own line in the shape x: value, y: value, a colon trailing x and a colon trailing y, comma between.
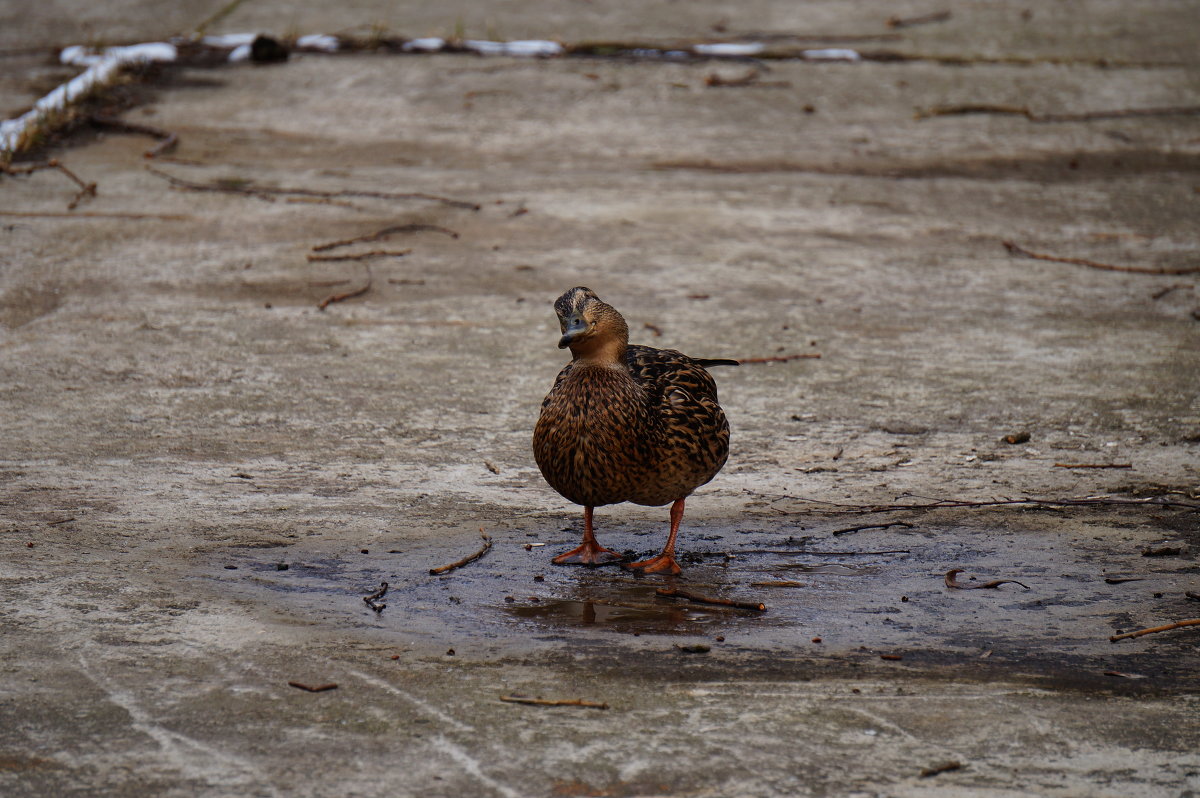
x: 626, y: 423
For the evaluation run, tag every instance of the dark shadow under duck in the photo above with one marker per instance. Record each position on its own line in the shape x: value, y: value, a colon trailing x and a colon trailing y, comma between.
x: 626, y: 423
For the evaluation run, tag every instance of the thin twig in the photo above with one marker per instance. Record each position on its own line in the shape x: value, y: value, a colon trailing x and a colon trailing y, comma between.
x: 85, y: 189
x: 779, y: 358
x: 166, y: 217
x: 378, y: 253
x: 470, y: 558
x: 924, y: 19
x: 954, y: 583
x: 1016, y: 250
x: 861, y: 527
x: 802, y: 552
x: 314, y: 688
x: 548, y: 702
x: 1093, y: 465
x: 671, y: 592
x: 944, y: 504
x: 166, y: 139
x: 251, y: 190
x: 384, y: 233
x: 372, y: 600
x: 1021, y: 110
x: 329, y: 300
x: 1166, y: 628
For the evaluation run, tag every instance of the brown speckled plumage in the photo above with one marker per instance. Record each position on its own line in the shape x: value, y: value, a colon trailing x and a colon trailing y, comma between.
x: 626, y: 423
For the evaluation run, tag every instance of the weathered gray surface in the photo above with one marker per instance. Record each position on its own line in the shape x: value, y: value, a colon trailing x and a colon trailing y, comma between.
x: 150, y: 395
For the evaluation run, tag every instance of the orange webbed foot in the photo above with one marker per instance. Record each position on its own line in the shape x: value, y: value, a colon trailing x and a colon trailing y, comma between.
x: 588, y: 553
x: 662, y: 564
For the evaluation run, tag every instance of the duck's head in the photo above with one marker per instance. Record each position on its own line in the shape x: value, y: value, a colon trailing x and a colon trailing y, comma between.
x: 592, y: 329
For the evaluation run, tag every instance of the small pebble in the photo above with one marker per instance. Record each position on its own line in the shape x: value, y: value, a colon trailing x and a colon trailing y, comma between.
x: 449, y: 652
x: 816, y: 640
x: 230, y: 567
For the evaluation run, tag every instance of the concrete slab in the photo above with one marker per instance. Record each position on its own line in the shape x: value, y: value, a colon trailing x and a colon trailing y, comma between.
x: 203, y: 473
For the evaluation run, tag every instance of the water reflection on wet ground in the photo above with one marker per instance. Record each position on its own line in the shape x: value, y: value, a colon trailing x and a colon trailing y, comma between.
x: 881, y: 593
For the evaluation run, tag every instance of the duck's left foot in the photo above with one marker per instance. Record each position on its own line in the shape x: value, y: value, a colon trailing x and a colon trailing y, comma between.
x: 662, y: 564
x: 591, y: 554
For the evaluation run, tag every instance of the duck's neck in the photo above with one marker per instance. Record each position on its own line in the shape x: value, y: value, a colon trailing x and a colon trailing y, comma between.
x: 607, y: 351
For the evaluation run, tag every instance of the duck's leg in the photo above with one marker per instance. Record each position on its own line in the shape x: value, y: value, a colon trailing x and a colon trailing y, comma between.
x: 589, y: 552
x: 665, y: 562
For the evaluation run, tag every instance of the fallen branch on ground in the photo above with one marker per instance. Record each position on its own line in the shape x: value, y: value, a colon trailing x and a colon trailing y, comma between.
x: 314, y: 688
x: 166, y: 217
x: 85, y: 189
x: 247, y: 188
x: 1025, y: 253
x: 166, y: 139
x: 1093, y: 465
x: 860, y: 528
x: 1153, y: 629
x: 384, y: 233
x: 924, y: 19
x: 378, y: 253
x: 954, y: 583
x: 372, y: 600
x: 329, y: 300
x: 671, y: 592
x: 944, y: 504
x: 1021, y: 110
x: 487, y: 544
x: 547, y: 702
x: 799, y: 552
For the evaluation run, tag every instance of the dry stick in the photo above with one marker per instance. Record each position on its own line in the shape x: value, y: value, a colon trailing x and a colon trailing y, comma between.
x: 871, y: 526
x: 1093, y: 465
x: 329, y: 300
x: 263, y: 192
x: 85, y: 189
x: 314, y: 688
x: 925, y: 19
x: 1153, y: 629
x: 487, y: 544
x: 166, y: 139
x: 378, y: 253
x: 671, y: 592
x: 1016, y: 250
x: 384, y: 233
x: 798, y: 552
x: 778, y: 358
x: 952, y: 582
x: 372, y: 600
x: 943, y: 504
x: 1087, y: 116
x: 547, y: 702
x: 167, y: 217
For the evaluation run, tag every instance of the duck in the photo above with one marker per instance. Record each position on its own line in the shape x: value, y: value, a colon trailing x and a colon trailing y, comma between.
x: 626, y: 423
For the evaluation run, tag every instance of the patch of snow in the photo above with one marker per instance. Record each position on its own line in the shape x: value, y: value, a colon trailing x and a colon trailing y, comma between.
x: 832, y: 55
x: 319, y: 41
x: 734, y: 49
x: 429, y: 44
x: 100, y: 70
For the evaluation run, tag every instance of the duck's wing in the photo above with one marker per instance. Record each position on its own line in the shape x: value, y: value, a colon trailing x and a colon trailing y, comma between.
x: 662, y: 370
